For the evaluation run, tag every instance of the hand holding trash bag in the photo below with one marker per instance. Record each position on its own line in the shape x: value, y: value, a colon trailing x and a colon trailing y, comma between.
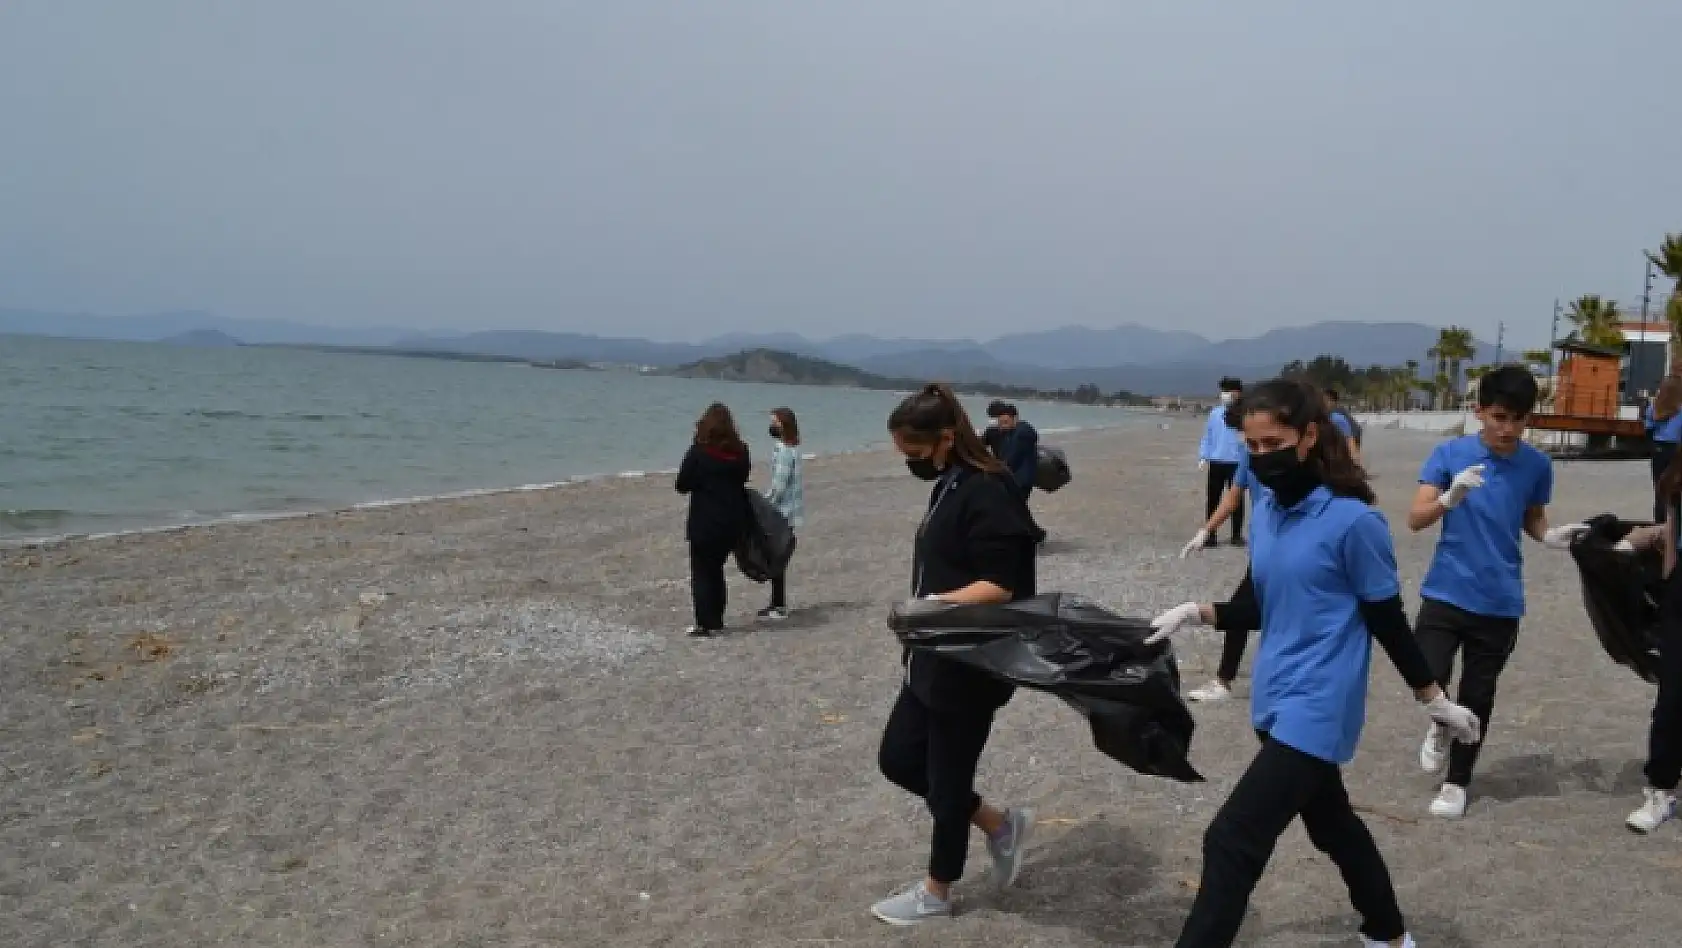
x: 1460, y: 722
x: 1176, y: 621
x: 1464, y: 483
x: 1560, y: 537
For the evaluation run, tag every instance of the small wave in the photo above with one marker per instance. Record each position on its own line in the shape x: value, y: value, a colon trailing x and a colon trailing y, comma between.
x: 35, y: 519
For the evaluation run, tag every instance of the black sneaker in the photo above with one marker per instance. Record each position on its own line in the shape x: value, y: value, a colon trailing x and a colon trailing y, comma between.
x: 1238, y: 542
x: 1212, y: 542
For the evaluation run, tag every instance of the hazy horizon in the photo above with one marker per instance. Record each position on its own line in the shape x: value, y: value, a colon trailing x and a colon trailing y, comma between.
x: 941, y: 170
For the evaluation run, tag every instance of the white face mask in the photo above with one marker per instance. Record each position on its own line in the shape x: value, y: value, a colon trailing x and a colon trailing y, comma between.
x: 1226, y: 398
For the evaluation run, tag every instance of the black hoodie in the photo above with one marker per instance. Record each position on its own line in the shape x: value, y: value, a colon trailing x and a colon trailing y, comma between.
x: 716, y: 481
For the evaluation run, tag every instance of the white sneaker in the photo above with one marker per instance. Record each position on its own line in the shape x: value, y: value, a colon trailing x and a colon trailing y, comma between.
x: 1450, y: 803
x: 1659, y: 809
x: 1433, y: 754
x: 1407, y: 942
x: 1214, y: 691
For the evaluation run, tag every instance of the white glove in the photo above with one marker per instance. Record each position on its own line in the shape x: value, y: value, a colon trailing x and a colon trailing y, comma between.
x: 1463, y: 484
x: 1623, y: 546
x: 1461, y: 723
x: 1203, y: 465
x: 1198, y: 541
x: 1186, y: 615
x: 1560, y: 537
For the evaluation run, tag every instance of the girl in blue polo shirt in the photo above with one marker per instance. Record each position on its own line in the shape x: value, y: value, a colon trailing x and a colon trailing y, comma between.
x: 1663, y: 419
x: 1321, y: 585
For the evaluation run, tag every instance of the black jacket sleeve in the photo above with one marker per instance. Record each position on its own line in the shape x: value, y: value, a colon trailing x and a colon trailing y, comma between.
x: 999, y: 535
x: 686, y: 472
x: 1241, y: 613
x: 1388, y: 623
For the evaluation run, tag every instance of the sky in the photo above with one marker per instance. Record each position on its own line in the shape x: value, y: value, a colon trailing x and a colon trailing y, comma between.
x: 934, y: 168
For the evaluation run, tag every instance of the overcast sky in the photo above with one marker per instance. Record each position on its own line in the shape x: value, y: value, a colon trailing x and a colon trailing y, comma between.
x: 681, y: 168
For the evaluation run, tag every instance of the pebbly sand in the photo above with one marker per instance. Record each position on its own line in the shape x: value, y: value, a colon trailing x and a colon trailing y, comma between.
x: 476, y: 722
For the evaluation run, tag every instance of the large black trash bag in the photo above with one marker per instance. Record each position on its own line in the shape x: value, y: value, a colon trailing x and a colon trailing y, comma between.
x: 768, y: 542
x: 1621, y: 593
x: 1073, y: 648
x: 1051, y: 472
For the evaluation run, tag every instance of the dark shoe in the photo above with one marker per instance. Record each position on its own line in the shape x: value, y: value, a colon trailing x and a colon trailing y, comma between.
x: 1211, y: 543
x: 1238, y: 542
x: 696, y: 631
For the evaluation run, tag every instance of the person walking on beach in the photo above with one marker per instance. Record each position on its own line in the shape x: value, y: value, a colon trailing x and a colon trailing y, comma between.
x: 1663, y: 420
x: 1218, y: 456
x: 1233, y: 642
x: 1017, y: 445
x: 1486, y: 489
x: 975, y: 546
x: 1322, y: 584
x: 1664, y: 733
x: 787, y: 493
x: 714, y: 475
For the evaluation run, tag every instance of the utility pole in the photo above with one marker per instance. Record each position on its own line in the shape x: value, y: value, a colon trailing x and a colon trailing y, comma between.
x: 1646, y: 301
x: 1500, y: 340
x: 1553, y: 336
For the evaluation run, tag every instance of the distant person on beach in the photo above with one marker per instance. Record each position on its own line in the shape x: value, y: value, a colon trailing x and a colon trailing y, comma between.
x: 975, y: 546
x: 1487, y: 490
x: 714, y: 475
x: 1345, y: 423
x: 1322, y: 585
x: 1218, y: 456
x: 1663, y: 420
x: 787, y: 493
x: 1017, y: 445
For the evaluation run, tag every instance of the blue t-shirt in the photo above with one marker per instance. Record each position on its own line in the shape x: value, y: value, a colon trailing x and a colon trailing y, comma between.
x: 1668, y: 431
x: 1478, y: 565
x: 1220, y: 443
x: 1313, y: 565
x: 1342, y: 422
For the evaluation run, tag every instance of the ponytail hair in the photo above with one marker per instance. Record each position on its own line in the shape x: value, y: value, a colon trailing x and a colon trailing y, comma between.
x: 934, y: 410
x: 1297, y: 405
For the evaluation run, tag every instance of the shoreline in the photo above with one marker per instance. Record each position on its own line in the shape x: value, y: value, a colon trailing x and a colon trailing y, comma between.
x: 57, y: 540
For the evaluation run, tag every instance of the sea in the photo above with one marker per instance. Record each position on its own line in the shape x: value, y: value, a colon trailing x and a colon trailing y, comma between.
x: 109, y: 437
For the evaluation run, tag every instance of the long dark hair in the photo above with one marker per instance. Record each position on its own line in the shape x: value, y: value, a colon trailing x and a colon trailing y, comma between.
x: 1297, y: 405
x: 923, y: 416
x: 1670, y: 482
x: 717, y: 429
x: 787, y: 424
x: 1668, y: 401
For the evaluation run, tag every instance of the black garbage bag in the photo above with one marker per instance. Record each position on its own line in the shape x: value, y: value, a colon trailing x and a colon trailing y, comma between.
x: 1052, y: 470
x: 1621, y: 593
x: 1073, y: 648
x: 768, y: 542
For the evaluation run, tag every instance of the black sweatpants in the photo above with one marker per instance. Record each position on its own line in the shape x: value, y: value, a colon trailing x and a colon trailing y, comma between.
x: 1232, y: 654
x: 1664, y: 739
x: 1221, y: 474
x: 1484, y: 643
x: 1282, y: 784
x: 933, y: 754
x: 706, y: 582
x: 1663, y: 452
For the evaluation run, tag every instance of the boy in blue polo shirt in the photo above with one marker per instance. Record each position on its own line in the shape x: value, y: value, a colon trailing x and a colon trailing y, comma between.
x: 1486, y: 489
x: 1218, y: 456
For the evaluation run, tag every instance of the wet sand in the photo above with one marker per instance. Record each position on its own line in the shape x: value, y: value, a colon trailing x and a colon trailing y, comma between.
x: 477, y: 722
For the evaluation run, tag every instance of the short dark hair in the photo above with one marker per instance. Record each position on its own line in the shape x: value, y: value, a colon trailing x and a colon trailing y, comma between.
x: 997, y: 407
x: 1331, y: 393
x: 1230, y: 384
x: 1511, y: 387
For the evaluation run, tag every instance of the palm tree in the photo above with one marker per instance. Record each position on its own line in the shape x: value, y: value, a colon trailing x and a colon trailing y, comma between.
x: 1597, y: 322
x: 1454, y: 346
x: 1668, y: 261
x: 1436, y: 353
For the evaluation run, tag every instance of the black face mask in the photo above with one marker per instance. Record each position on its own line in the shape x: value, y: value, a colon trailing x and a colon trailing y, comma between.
x: 922, y: 468
x: 776, y: 432
x: 1284, y: 474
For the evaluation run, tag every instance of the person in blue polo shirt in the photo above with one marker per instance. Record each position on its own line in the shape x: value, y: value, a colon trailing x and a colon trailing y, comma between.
x: 1486, y: 489
x: 1663, y: 419
x: 1345, y: 423
x: 1321, y: 586
x: 1219, y: 688
x: 1218, y: 456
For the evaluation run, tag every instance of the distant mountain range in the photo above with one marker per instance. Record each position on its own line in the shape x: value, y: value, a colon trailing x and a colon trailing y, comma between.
x: 1136, y: 358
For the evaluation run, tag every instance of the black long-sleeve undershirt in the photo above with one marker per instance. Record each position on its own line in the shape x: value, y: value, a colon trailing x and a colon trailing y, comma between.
x: 1386, y: 620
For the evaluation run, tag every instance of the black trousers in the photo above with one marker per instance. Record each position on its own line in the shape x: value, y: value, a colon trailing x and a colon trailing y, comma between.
x: 1484, y: 643
x: 1232, y: 654
x: 1282, y: 784
x: 1663, y: 452
x: 1664, y: 739
x: 706, y: 581
x: 933, y: 754
x: 1221, y: 474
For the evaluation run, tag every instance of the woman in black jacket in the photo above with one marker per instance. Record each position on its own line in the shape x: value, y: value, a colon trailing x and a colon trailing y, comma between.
x: 975, y: 546
x: 714, y: 474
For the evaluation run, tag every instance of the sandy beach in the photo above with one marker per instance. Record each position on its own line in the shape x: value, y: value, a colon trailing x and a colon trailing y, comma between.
x: 476, y: 722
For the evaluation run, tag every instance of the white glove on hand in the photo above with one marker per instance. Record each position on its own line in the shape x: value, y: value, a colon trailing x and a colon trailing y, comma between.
x: 1198, y: 541
x: 1623, y: 546
x: 1462, y: 724
x: 1203, y: 465
x: 1186, y: 615
x: 1560, y: 537
x: 1463, y: 484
